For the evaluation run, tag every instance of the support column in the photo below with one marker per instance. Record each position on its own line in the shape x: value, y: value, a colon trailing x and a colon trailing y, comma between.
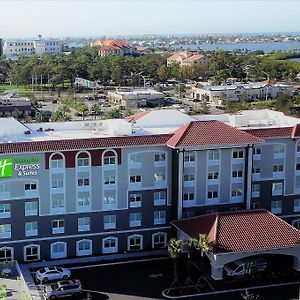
x: 296, y: 263
x: 180, y: 184
x: 249, y: 178
x: 216, y: 272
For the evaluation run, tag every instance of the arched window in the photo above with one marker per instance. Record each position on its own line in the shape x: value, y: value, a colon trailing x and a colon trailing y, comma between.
x: 84, y: 247
x: 135, y: 242
x: 58, y: 250
x: 83, y: 159
x: 110, y: 245
x: 109, y: 158
x: 6, y: 254
x: 296, y: 223
x: 159, y: 240
x: 57, y: 161
x: 32, y: 252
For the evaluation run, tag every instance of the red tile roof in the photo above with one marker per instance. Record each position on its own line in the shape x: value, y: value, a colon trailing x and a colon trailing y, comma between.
x: 94, y: 143
x: 241, y: 231
x: 206, y: 133
x: 275, y: 132
x: 137, y: 116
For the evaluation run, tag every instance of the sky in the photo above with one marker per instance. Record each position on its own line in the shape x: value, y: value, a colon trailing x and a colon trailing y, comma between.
x: 92, y: 18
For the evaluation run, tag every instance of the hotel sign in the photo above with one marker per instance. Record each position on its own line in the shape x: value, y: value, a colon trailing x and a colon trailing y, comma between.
x: 28, y: 166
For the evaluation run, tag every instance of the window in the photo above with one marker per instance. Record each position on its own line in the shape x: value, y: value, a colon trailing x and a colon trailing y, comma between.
x: 160, y: 157
x: 31, y: 252
x: 4, y: 188
x: 58, y: 205
x: 297, y: 183
x: 188, y: 196
x: 5, y: 210
x: 31, y: 208
x: 58, y: 250
x: 110, y: 221
x: 213, y: 155
x: 109, y: 200
x: 135, y: 219
x: 109, y: 160
x: 84, y: 247
x: 255, y: 205
x: 212, y: 194
x: 159, y: 176
x: 5, y: 231
x: 238, y: 154
x: 278, y: 149
x: 256, y: 170
x: 256, y: 151
x: 135, y: 200
x: 83, y: 162
x: 159, y: 217
x: 83, y: 182
x: 237, y: 173
x: 236, y: 193
x: 276, y: 207
x: 57, y: 163
x: 296, y: 224
x: 31, y: 228
x: 189, y: 157
x: 188, y: 177
x: 297, y: 205
x: 83, y: 203
x: 298, y: 167
x: 298, y: 149
x: 30, y: 186
x: 159, y: 240
x: 6, y: 254
x: 277, y: 188
x: 135, y: 158
x: 58, y: 226
x: 255, y: 190
x: 135, y: 242
x: 84, y: 224
x: 111, y: 179
x: 277, y: 168
x: 57, y: 183
x: 159, y: 198
x: 110, y: 245
x: 213, y: 175
x: 135, y: 178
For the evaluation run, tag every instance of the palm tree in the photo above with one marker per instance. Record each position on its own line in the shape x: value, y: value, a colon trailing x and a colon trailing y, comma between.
x: 249, y: 296
x: 95, y: 109
x: 41, y: 116
x: 174, y: 248
x: 191, y: 245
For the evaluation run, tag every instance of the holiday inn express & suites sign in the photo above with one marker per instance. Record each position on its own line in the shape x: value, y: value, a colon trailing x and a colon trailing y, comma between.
x: 21, y: 166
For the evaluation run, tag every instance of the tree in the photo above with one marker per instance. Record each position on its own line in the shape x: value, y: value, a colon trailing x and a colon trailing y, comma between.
x: 249, y: 296
x: 113, y: 113
x: 163, y: 73
x: 95, y: 109
x: 82, y: 109
x: 27, y: 117
x: 41, y: 116
x: 61, y: 115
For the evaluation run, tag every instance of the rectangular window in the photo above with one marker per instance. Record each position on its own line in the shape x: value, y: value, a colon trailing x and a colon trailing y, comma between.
x: 212, y: 194
x: 213, y: 175
x: 83, y: 162
x: 188, y: 196
x: 159, y: 176
x: 5, y: 210
x: 110, y: 222
x: 84, y: 224
x: 57, y: 183
x: 159, y: 157
x: 57, y: 163
x: 111, y: 179
x: 189, y: 157
x: 83, y: 202
x: 160, y: 198
x: 278, y: 149
x: 277, y: 188
x: 277, y: 168
x: 213, y: 155
x: 83, y: 182
x: 109, y: 160
x: 135, y: 219
x: 238, y: 154
x: 31, y: 208
x: 108, y: 200
x: 256, y: 170
x: 237, y: 173
x: 31, y: 228
x: 135, y: 199
x: 135, y: 158
x: 4, y: 187
x: 236, y: 193
x: 58, y: 203
x: 30, y: 186
x: 58, y: 226
x: 255, y: 190
x: 297, y: 205
x: 297, y: 166
x: 135, y: 178
x: 298, y: 148
x: 159, y: 217
x: 276, y: 207
x: 188, y: 177
x: 256, y: 151
x: 5, y: 231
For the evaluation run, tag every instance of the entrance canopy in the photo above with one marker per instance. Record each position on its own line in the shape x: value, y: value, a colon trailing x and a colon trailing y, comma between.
x: 240, y: 234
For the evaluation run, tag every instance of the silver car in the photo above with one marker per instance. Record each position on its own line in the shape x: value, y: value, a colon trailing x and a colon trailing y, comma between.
x: 52, y: 273
x: 63, y: 288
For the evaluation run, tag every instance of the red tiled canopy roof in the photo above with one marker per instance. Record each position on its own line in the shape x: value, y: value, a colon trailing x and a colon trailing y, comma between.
x: 44, y: 146
x: 241, y: 231
x: 205, y: 133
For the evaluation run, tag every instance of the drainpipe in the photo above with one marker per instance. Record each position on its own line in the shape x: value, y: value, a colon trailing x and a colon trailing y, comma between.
x: 248, y: 177
x: 180, y: 182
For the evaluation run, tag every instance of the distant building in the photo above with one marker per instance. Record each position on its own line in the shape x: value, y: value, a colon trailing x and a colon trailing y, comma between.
x: 136, y: 98
x: 113, y: 47
x: 236, y: 92
x: 1, y: 47
x: 186, y: 58
x: 14, y: 48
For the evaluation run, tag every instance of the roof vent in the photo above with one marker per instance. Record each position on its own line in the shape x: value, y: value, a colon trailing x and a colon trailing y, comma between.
x: 27, y: 132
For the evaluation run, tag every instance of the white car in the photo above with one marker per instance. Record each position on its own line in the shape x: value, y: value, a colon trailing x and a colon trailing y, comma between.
x: 52, y: 273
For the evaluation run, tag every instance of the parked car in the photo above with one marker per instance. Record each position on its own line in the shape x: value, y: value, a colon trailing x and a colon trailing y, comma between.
x: 105, y: 104
x: 52, y: 273
x: 63, y: 288
x: 242, y: 267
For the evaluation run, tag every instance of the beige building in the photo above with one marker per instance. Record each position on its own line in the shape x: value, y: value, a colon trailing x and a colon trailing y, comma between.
x: 113, y: 47
x: 186, y: 58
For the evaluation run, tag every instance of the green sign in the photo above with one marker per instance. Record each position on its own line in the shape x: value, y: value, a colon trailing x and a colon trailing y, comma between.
x: 6, y: 167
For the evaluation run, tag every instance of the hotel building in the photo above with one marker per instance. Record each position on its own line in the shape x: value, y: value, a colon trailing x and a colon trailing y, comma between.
x: 113, y: 186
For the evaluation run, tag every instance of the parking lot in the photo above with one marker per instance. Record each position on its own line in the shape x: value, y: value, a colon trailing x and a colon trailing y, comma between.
x: 147, y: 279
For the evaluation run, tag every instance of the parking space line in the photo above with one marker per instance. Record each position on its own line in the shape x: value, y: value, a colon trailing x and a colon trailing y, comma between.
x: 118, y: 263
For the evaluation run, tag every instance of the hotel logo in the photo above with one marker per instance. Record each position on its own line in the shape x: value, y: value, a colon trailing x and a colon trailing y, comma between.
x: 6, y: 167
